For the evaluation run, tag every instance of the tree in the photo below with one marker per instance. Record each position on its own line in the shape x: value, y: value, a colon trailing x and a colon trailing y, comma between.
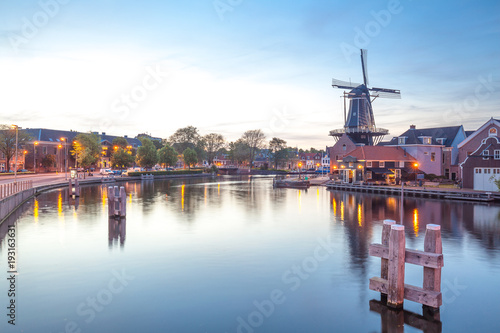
x: 239, y: 151
x: 120, y: 142
x: 213, y: 144
x: 48, y: 161
x: 121, y: 158
x: 167, y: 155
x: 255, y: 140
x: 277, y: 148
x: 8, y: 142
x: 183, y: 138
x: 190, y: 157
x: 86, y: 149
x: 146, y: 153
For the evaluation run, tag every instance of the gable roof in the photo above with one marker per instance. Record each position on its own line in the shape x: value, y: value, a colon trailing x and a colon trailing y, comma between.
x: 381, y: 153
x: 413, y: 135
x: 479, y: 130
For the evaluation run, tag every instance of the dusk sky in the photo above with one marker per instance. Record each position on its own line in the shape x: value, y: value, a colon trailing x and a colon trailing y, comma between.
x: 227, y: 66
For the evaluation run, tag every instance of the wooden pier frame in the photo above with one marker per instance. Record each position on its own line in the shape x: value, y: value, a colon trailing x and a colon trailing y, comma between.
x: 117, y: 201
x: 394, y: 255
x: 74, y: 189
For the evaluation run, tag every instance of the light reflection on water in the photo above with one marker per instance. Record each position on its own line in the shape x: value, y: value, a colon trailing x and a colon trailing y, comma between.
x: 203, y: 253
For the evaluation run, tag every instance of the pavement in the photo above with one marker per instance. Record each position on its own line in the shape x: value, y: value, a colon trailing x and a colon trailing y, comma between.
x: 39, y: 179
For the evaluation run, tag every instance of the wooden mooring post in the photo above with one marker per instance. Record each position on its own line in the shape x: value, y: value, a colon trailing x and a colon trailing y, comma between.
x: 394, y: 255
x: 74, y: 189
x: 117, y: 201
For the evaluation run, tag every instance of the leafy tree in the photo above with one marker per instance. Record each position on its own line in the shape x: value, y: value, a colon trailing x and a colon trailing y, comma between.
x: 120, y: 142
x: 8, y: 142
x: 86, y: 149
x: 146, y: 153
x: 239, y: 151
x: 48, y: 161
x: 121, y: 158
x: 183, y: 138
x: 277, y: 148
x: 167, y: 155
x: 190, y: 157
x: 213, y: 144
x: 158, y: 144
x: 255, y: 140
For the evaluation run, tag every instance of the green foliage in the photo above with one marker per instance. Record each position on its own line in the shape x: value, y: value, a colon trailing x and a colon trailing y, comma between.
x: 172, y: 172
x: 167, y: 155
x: 213, y: 144
x: 86, y: 149
x: 146, y: 153
x: 184, y: 138
x: 120, y: 142
x: 239, y: 151
x: 48, y: 161
x: 497, y: 182
x: 8, y: 142
x: 278, y: 150
x: 190, y: 157
x: 121, y: 158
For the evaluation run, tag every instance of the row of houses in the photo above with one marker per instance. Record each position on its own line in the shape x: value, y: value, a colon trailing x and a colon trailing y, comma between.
x: 469, y: 157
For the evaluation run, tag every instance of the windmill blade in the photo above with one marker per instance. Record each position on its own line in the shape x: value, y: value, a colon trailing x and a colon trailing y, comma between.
x: 385, y: 93
x: 344, y: 84
x: 364, y: 54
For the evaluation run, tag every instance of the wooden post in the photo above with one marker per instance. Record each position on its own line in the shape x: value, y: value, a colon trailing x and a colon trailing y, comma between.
x: 77, y: 188
x: 123, y: 202
x: 396, y: 272
x: 111, y: 201
x: 384, y: 263
x: 432, y: 276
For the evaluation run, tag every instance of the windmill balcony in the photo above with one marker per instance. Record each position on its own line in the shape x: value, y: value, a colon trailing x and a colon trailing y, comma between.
x: 360, y: 129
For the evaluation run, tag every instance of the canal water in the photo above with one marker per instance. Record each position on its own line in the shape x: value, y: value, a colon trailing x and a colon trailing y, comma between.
x: 235, y: 255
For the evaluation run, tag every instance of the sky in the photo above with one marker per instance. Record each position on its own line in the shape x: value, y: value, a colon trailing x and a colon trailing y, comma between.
x: 228, y: 66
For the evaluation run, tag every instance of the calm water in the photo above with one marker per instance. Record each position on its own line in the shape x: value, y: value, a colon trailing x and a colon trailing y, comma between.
x: 235, y: 255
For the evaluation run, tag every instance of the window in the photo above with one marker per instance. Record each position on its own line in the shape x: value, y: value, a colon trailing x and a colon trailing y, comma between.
x: 401, y: 164
x: 492, y: 132
x: 381, y: 164
x: 344, y: 147
x: 478, y: 170
x: 44, y: 150
x: 441, y: 141
x: 433, y: 157
x: 485, y: 153
x: 351, y: 164
x: 426, y: 140
x: 402, y: 140
x: 55, y: 151
x: 368, y: 175
x: 426, y: 153
x: 368, y: 164
x: 496, y: 154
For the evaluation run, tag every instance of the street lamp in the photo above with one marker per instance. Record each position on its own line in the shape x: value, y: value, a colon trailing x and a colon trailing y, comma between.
x: 65, y: 156
x: 415, y: 165
x: 35, y: 143
x: 300, y: 166
x: 59, y: 158
x: 15, y: 168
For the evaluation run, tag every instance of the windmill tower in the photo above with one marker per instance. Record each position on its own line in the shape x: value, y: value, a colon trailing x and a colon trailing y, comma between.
x: 360, y: 123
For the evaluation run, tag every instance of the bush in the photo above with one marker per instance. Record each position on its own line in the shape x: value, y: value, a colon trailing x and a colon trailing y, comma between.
x: 160, y: 173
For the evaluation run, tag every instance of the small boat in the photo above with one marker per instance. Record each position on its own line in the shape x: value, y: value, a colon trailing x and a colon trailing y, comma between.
x: 281, y: 182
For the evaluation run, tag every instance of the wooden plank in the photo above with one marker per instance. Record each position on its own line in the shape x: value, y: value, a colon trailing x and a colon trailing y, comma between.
x: 396, y: 272
x: 416, y: 257
x: 432, y: 244
x: 411, y: 293
x: 386, y: 230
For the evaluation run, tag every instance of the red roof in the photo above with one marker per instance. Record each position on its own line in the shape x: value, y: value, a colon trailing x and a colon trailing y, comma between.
x: 381, y: 153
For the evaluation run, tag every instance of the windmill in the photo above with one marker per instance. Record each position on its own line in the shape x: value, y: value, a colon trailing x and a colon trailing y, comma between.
x: 360, y: 123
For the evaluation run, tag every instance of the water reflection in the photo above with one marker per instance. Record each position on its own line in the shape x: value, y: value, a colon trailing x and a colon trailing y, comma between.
x: 117, y: 228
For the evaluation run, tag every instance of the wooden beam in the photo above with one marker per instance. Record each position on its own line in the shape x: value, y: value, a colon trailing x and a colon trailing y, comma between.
x: 396, y: 272
x: 411, y: 293
x: 416, y: 257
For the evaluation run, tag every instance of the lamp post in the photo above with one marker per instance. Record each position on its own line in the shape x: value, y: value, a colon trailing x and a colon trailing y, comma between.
x: 300, y: 166
x: 15, y: 168
x: 35, y: 143
x: 415, y: 165
x: 58, y: 157
x: 65, y: 157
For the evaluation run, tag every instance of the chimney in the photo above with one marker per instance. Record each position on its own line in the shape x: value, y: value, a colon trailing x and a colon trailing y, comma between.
x: 412, y: 127
x: 125, y: 136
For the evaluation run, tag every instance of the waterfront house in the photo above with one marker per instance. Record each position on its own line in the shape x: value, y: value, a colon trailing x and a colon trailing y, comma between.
x: 436, y: 149
x: 479, y: 157
x: 377, y: 164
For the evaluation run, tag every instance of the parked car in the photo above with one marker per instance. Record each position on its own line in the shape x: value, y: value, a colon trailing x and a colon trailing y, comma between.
x: 22, y: 170
x: 106, y: 172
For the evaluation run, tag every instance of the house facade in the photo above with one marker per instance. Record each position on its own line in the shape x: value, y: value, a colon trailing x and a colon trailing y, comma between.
x: 479, y: 157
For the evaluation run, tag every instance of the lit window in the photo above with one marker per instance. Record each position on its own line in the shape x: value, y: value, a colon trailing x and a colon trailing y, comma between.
x: 433, y: 157
x: 401, y: 164
x: 369, y: 175
x: 493, y: 132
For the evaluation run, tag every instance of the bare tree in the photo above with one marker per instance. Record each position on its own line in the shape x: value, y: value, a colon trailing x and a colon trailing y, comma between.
x: 213, y: 144
x: 255, y: 140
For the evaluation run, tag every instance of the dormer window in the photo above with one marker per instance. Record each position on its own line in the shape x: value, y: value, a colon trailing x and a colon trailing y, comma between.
x: 402, y: 140
x: 492, y: 132
x: 427, y: 140
x: 441, y: 141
